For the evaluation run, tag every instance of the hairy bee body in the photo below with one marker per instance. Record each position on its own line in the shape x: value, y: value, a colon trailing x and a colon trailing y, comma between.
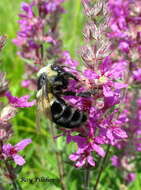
x: 52, y: 82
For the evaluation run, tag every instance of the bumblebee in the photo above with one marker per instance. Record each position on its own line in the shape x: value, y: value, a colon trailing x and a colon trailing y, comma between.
x: 52, y: 84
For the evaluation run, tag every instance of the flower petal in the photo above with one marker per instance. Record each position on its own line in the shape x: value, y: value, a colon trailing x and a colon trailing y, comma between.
x: 91, y: 160
x: 119, y: 132
x: 109, y: 135
x: 116, y: 161
x: 98, y: 149
x: 80, y: 162
x: 119, y: 85
x: 6, y: 149
x: 22, y: 144
x: 74, y: 157
x: 130, y: 177
x: 19, y: 160
x: 19, y: 102
x: 107, y: 91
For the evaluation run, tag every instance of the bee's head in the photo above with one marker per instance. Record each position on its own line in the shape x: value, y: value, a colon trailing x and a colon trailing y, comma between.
x: 42, y: 80
x: 42, y: 77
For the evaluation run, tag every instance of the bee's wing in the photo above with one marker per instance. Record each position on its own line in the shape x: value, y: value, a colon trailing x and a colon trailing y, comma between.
x: 43, y: 105
x: 46, y: 103
x: 38, y: 117
x: 39, y: 111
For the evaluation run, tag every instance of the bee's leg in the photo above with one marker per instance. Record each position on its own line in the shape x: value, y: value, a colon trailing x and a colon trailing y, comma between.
x: 84, y: 94
x: 68, y: 75
x: 69, y: 93
x: 62, y: 72
x: 71, y: 76
x: 81, y: 94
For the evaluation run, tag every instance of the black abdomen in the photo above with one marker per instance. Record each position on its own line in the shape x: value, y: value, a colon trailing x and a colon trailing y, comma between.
x: 66, y: 116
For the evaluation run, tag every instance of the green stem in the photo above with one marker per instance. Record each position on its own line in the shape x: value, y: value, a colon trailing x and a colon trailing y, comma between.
x: 86, y: 179
x: 10, y: 170
x: 16, y: 185
x: 1, y: 187
x: 101, y: 167
x: 59, y: 158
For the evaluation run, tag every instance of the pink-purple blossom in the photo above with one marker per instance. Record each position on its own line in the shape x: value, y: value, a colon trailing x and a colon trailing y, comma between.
x: 137, y: 75
x: 103, y: 79
x: 130, y: 177
x: 109, y: 70
x: 10, y: 151
x: 19, y: 102
x: 125, y: 35
x: 35, y: 31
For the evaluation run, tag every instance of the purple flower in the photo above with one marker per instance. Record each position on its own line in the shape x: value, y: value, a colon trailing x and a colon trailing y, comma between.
x: 112, y: 130
x: 10, y: 151
x: 53, y: 5
x: 19, y: 102
x: 68, y: 61
x: 38, y: 22
x: 27, y: 8
x: 137, y: 75
x: 120, y: 11
x: 103, y: 77
x: 82, y: 159
x: 124, y: 46
x: 130, y: 177
x: 107, y: 77
x: 116, y: 161
x: 83, y: 155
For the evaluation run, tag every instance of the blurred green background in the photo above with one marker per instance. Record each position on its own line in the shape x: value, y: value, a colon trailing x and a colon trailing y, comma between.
x: 40, y: 154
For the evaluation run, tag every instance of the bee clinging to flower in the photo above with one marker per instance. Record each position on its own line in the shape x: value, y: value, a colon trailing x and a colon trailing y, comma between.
x: 52, y: 84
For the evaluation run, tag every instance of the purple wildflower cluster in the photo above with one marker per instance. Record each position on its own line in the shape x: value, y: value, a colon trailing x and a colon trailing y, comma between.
x: 103, y: 78
x: 8, y: 111
x: 38, y: 38
x: 111, y: 74
x: 126, y: 37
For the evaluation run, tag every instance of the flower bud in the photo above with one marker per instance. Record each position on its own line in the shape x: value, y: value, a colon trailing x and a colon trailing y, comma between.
x: 3, y: 84
x: 8, y: 113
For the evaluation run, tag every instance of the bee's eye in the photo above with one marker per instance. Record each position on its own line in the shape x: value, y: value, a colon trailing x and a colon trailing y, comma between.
x: 57, y: 68
x: 41, y: 81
